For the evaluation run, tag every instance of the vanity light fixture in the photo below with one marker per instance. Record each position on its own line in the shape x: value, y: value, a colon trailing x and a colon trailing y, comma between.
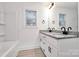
x: 52, y: 4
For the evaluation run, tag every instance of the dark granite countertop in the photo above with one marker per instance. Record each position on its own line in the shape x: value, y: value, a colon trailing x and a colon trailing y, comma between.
x: 62, y: 36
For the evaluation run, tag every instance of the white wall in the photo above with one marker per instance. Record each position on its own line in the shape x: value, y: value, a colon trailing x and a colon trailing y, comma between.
x: 2, y: 23
x: 15, y: 23
x: 78, y: 16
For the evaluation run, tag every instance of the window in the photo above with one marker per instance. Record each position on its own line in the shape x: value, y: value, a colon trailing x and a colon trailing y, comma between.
x: 30, y: 18
x: 61, y: 19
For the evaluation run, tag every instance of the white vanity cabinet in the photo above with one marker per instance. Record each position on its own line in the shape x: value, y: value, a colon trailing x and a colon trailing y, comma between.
x: 53, y: 47
x: 48, y: 46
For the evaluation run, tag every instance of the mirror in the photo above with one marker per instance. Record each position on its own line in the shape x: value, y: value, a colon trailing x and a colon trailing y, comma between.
x: 64, y: 14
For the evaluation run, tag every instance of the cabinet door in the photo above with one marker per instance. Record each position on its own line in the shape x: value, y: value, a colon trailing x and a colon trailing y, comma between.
x: 52, y: 41
x: 43, y: 45
x: 49, y: 51
x: 52, y: 51
x: 68, y: 47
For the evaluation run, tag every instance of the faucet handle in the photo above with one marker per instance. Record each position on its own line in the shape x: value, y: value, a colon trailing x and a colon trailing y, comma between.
x: 69, y: 28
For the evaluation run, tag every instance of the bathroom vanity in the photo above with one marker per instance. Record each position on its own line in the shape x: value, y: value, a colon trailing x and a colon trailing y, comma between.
x: 55, y: 44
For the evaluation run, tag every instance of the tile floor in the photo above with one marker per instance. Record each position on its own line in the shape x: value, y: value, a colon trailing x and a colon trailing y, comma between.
x: 31, y: 53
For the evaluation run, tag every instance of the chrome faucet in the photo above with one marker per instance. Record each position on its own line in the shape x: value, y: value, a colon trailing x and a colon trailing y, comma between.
x: 66, y: 31
x: 63, y: 28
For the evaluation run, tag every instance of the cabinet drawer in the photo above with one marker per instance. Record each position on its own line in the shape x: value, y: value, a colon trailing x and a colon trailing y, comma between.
x: 52, y: 41
x: 42, y: 36
x: 42, y: 43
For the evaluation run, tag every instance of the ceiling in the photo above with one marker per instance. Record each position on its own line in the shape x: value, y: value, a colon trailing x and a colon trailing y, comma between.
x: 63, y: 4
x: 67, y: 4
